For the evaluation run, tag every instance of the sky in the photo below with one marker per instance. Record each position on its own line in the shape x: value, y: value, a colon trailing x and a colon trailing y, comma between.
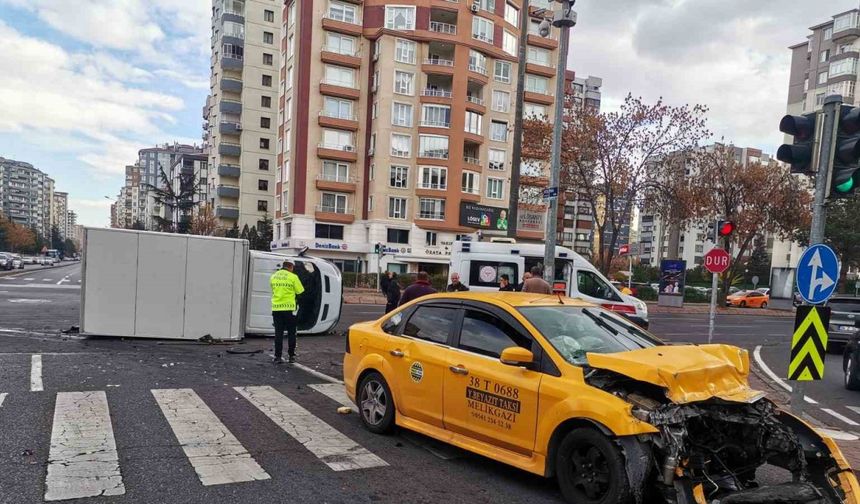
x: 87, y: 84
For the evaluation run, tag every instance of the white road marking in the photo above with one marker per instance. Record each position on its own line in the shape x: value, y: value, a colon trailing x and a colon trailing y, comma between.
x: 36, y: 373
x: 855, y: 409
x: 3, y: 398
x: 838, y: 435
x: 214, y: 452
x: 334, y: 391
x: 29, y: 301
x: 83, y: 461
x: 329, y: 445
x: 840, y: 417
x: 321, y: 376
x: 64, y: 279
x: 773, y: 376
x: 47, y: 279
x: 29, y: 279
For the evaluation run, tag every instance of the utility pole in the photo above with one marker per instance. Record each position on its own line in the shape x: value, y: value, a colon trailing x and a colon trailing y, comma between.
x: 564, y: 19
x: 832, y: 108
x: 517, y: 154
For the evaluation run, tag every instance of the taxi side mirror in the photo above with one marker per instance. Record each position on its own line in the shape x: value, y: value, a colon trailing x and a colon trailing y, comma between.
x: 517, y: 356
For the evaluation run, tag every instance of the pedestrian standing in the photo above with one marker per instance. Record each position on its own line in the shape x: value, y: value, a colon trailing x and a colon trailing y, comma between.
x: 505, y: 284
x: 421, y: 287
x: 526, y: 276
x: 286, y: 285
x: 455, y: 285
x: 536, y: 284
x: 392, y: 292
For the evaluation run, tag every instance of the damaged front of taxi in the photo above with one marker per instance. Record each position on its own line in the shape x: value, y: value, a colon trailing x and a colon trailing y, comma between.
x: 714, y: 433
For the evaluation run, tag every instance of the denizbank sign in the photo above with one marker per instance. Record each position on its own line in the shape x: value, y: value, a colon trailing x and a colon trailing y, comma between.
x: 483, y: 217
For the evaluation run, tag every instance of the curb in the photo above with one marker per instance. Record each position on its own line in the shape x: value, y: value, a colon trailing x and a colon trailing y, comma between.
x: 44, y: 268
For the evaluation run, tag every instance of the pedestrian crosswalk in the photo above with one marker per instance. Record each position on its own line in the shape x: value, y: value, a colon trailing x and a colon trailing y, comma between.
x: 85, y: 460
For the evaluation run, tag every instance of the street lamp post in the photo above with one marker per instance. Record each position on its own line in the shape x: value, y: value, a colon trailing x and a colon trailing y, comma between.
x: 563, y: 19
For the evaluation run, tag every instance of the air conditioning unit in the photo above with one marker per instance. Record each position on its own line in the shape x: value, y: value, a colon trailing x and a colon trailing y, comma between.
x: 238, y: 127
x: 348, y: 148
x: 475, y: 8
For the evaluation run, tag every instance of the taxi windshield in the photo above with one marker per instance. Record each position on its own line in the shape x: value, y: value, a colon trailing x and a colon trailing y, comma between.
x: 574, y: 331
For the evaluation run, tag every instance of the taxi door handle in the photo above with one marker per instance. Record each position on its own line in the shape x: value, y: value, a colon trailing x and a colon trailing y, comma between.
x: 459, y: 370
x: 396, y: 353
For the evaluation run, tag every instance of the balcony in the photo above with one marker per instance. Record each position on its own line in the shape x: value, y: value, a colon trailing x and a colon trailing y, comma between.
x: 231, y: 61
x: 227, y: 212
x: 437, y: 64
x: 435, y: 123
x: 444, y: 28
x: 337, y: 152
x: 849, y: 33
x: 338, y: 23
x: 336, y: 56
x: 338, y: 121
x: 545, y: 42
x: 226, y: 191
x: 229, y: 149
x: 474, y: 161
x: 230, y: 128
x: 230, y: 107
x: 336, y: 183
x: 231, y: 14
x: 229, y: 170
x: 540, y: 68
x: 327, y: 213
x: 231, y: 85
x: 478, y: 69
x: 340, y: 89
x: 540, y: 96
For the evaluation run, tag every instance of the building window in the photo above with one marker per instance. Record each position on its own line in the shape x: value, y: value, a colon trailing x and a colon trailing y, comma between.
x: 509, y: 43
x: 497, y: 159
x: 374, y: 110
x: 286, y: 171
x: 263, y: 185
x: 824, y: 56
x: 371, y: 149
x: 401, y: 145
x: 471, y: 183
x: 267, y: 80
x: 290, y: 77
x: 433, y: 146
x: 845, y: 22
x: 265, y: 123
x: 473, y: 122
x: 233, y: 29
x: 512, y: 15
x: 501, y: 101
x: 269, y: 16
x: 264, y: 143
x: 268, y: 38
x: 431, y: 209
x: 499, y: 131
x: 537, y: 84
x: 264, y: 165
x: 340, y: 44
x: 399, y: 177
x: 338, y: 108
x: 431, y: 239
x: 335, y: 172
x: 398, y: 235
x: 262, y: 206
x: 503, y: 71
x: 340, y: 11
x: 477, y: 62
x: 487, y: 5
x: 495, y: 188
x: 370, y: 203
x: 404, y: 83
x: 268, y: 59
x: 842, y: 67
x: 482, y: 29
x: 539, y: 56
x: 404, y: 51
x: 333, y: 203
x: 397, y: 208
x: 266, y: 101
x: 286, y: 145
x: 339, y: 76
x: 399, y: 18
x: 338, y: 140
x: 434, y: 177
x: 534, y: 110
x: 329, y: 232
x: 438, y: 116
x: 828, y: 33
x: 401, y: 114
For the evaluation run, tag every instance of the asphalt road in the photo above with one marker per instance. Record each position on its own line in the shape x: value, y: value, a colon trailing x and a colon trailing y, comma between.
x: 128, y: 384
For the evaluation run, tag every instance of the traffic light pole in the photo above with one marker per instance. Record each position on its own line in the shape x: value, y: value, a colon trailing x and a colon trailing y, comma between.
x: 832, y: 107
x: 712, y: 314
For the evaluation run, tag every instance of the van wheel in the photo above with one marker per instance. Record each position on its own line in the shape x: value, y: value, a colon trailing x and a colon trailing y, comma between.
x: 591, y: 469
x: 852, y: 377
x: 376, y: 404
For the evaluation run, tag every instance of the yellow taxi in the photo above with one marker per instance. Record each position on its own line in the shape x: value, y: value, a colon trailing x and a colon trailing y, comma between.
x: 565, y: 389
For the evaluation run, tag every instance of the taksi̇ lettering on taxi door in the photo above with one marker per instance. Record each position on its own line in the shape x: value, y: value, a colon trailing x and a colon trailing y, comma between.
x: 492, y: 402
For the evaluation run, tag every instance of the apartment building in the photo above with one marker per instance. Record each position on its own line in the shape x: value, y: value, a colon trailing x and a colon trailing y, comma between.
x: 59, y: 213
x: 825, y: 64
x: 26, y: 195
x: 395, y: 128
x: 131, y: 202
x: 240, y: 114
x: 155, y: 165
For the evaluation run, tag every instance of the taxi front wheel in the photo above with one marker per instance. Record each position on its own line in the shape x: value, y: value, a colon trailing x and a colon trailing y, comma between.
x: 591, y: 469
x: 376, y: 404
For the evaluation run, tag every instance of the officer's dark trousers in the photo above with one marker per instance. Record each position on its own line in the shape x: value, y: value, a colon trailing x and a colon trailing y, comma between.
x: 284, y: 321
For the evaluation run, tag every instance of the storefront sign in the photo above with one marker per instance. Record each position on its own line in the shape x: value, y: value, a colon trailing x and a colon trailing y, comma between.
x: 396, y: 250
x: 531, y: 221
x: 329, y: 246
x: 435, y: 252
x: 483, y: 217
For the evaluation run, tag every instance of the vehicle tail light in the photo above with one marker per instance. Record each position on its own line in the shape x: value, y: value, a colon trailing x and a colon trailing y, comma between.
x: 559, y: 287
x: 620, y: 308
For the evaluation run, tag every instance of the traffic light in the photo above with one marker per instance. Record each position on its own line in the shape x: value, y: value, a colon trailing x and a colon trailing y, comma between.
x: 844, y: 176
x: 725, y: 228
x: 800, y: 153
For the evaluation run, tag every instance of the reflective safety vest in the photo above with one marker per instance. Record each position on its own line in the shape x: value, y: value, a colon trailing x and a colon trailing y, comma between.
x: 285, y: 287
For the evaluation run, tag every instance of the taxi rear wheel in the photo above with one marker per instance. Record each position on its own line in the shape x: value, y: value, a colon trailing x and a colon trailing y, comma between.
x: 743, y: 304
x: 591, y: 469
x: 764, y: 305
x: 376, y: 404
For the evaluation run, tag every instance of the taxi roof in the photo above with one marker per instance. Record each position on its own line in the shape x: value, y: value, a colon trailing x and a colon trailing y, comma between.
x: 514, y: 299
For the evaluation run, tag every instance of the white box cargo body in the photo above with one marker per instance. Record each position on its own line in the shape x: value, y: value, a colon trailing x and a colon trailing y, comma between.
x: 158, y: 285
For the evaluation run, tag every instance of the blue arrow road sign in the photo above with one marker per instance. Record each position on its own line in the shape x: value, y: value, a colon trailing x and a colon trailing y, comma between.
x: 817, y: 273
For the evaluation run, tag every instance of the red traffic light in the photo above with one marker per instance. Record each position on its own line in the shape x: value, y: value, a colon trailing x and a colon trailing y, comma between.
x: 726, y: 228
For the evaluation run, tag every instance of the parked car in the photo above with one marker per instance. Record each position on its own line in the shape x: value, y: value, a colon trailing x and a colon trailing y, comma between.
x: 17, y: 262
x: 764, y: 290
x: 844, y: 314
x: 751, y: 299
x: 5, y: 261
x: 30, y: 260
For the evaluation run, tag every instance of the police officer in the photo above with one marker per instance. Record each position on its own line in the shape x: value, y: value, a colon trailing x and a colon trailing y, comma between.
x: 285, y: 287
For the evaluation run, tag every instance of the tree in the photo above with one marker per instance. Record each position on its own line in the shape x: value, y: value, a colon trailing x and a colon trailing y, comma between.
x: 608, y: 158
x: 138, y: 225
x: 70, y: 247
x: 842, y: 233
x: 760, y: 199
x: 758, y: 263
x: 204, y: 222
x: 178, y: 202
x: 233, y: 232
x: 56, y: 238
x: 265, y: 234
x: 244, y: 234
x: 19, y: 238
